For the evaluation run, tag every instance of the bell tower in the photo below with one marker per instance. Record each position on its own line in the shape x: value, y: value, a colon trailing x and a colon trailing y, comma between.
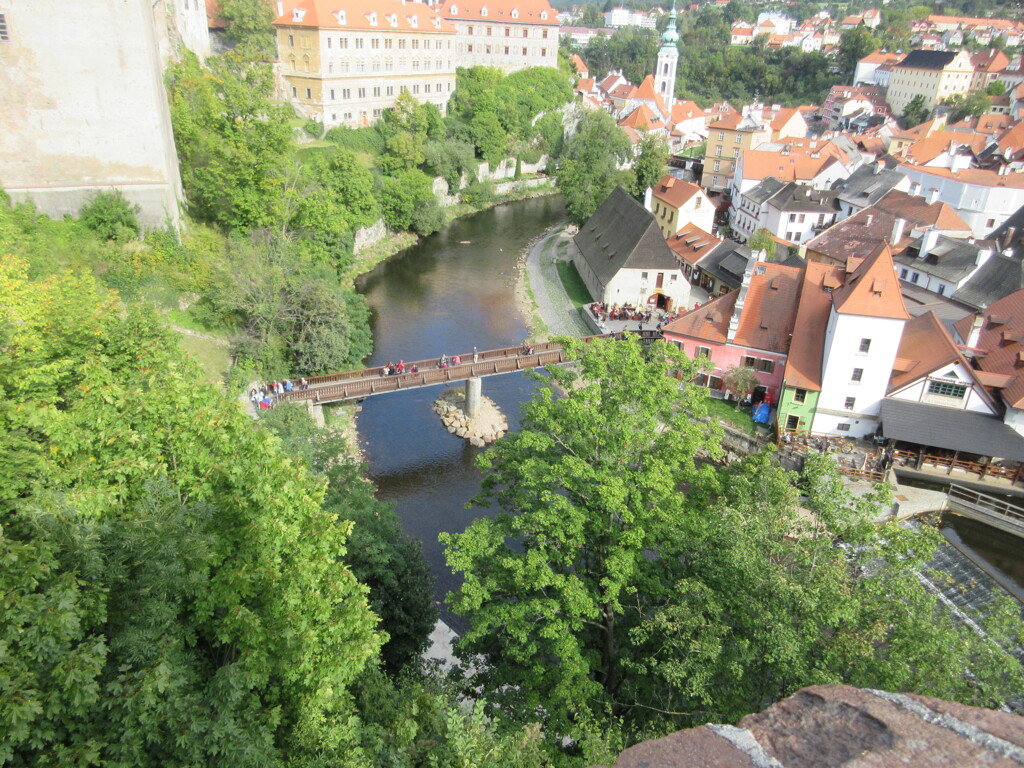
x: 668, y: 60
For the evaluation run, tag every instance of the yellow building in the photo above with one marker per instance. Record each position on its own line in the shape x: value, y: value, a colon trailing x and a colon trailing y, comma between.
x: 345, y: 61
x: 729, y: 137
x: 933, y: 75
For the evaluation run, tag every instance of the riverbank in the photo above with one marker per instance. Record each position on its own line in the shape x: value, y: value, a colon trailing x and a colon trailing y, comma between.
x: 540, y: 295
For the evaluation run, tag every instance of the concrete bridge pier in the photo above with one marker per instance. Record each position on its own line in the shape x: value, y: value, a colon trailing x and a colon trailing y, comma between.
x: 316, y: 413
x: 474, y: 386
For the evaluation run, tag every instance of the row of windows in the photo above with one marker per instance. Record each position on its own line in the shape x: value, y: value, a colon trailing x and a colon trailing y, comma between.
x: 508, y: 32
x: 764, y: 365
x: 480, y: 49
x: 346, y: 93
x: 359, y: 43
x: 718, y: 152
x: 947, y: 389
x: 375, y: 66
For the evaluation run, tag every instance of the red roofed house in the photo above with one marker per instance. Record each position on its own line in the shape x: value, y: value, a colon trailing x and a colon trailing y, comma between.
x: 327, y: 53
x: 507, y: 34
x: 676, y: 203
x: 733, y: 134
x: 580, y: 65
x: 749, y: 327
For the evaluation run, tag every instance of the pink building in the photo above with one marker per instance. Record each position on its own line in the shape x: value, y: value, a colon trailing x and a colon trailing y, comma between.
x: 749, y: 327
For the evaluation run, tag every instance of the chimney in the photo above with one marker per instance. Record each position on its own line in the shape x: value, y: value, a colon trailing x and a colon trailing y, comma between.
x: 928, y: 241
x: 983, y: 255
x: 976, y: 325
x: 280, y: 7
x: 1008, y: 236
x: 870, y: 218
x: 897, y: 230
x: 879, y: 166
x: 737, y: 312
x: 933, y: 195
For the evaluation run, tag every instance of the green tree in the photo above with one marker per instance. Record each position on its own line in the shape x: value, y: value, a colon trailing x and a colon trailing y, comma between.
x: 490, y: 138
x: 996, y: 88
x: 380, y: 555
x: 650, y: 164
x: 233, y: 143
x: 973, y: 105
x: 588, y: 169
x: 204, y: 614
x: 763, y: 240
x: 111, y: 216
x: 590, y: 487
x: 854, y: 45
x: 249, y: 22
x: 916, y: 111
x: 592, y: 16
x: 404, y: 197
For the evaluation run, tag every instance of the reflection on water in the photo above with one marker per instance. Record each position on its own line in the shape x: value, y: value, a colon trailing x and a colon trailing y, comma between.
x: 998, y: 553
x: 451, y: 292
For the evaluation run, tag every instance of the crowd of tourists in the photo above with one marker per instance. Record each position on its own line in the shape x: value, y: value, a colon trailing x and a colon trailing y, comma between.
x: 265, y: 396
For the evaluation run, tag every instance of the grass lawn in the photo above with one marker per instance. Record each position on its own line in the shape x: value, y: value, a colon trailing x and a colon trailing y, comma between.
x: 573, y: 283
x: 727, y: 411
x: 211, y: 356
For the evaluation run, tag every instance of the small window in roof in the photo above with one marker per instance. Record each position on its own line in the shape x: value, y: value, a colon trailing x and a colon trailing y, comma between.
x: 544, y: 14
x: 340, y: 16
x: 483, y: 11
x: 455, y: 10
x: 393, y: 19
x: 298, y: 14
x: 515, y: 13
x: 372, y: 16
x: 414, y: 21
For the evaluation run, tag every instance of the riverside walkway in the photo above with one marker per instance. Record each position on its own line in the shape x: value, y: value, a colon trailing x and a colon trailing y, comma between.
x: 367, y: 382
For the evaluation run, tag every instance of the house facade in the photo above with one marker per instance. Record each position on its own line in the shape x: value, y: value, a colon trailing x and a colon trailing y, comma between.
x: 507, y: 34
x: 933, y: 75
x: 676, y: 203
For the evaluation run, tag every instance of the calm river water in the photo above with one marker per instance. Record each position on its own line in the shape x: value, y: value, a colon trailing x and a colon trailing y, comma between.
x: 450, y: 292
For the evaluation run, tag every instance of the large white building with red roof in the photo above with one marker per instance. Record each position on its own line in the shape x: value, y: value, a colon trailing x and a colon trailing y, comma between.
x: 345, y: 61
x: 507, y: 34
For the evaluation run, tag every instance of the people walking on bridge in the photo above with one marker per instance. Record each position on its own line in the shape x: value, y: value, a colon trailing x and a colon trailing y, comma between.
x: 303, y: 383
x: 401, y: 366
x: 457, y: 360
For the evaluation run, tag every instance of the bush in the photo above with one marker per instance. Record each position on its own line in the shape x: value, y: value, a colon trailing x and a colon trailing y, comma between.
x: 111, y: 216
x: 478, y: 193
x: 427, y: 219
x: 366, y: 140
x: 314, y: 128
x: 531, y: 156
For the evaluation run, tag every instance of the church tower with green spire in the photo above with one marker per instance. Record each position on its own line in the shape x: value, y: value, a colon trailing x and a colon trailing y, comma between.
x: 668, y: 60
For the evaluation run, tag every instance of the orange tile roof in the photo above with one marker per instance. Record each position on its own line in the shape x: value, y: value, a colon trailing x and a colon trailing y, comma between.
x: 881, y: 57
x: 783, y: 116
x: 760, y: 164
x: 990, y: 60
x: 927, y: 149
x: 691, y: 243
x: 674, y: 191
x: 1013, y: 139
x: 642, y: 118
x: 646, y: 91
x: 766, y: 321
x: 578, y: 62
x: 686, y: 110
x: 585, y: 84
x: 925, y: 346
x: 358, y: 14
x: 505, y: 11
x: 803, y: 366
x: 1001, y: 343
x: 872, y: 290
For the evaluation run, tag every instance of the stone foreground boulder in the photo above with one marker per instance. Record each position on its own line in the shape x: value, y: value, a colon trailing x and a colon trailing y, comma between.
x: 836, y: 725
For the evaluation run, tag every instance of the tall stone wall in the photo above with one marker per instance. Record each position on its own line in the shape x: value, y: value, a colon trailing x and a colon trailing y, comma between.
x: 84, y: 107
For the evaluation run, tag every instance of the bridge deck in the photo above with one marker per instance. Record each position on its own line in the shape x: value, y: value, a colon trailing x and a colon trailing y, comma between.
x: 367, y: 382
x: 987, y: 509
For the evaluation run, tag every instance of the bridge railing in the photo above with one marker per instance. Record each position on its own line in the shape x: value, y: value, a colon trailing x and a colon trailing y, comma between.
x: 962, y: 497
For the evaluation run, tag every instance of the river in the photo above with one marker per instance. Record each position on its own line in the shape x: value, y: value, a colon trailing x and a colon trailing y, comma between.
x: 454, y: 290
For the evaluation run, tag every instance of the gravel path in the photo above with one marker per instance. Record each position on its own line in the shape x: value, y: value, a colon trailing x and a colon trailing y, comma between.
x: 553, y: 305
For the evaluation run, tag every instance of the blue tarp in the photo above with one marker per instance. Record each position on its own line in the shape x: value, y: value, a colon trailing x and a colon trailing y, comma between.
x: 761, y: 413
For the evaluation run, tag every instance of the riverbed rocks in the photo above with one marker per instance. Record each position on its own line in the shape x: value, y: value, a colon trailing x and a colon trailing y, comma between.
x: 488, y: 425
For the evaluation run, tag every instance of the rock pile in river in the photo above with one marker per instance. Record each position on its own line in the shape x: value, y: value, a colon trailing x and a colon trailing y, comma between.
x: 487, y: 426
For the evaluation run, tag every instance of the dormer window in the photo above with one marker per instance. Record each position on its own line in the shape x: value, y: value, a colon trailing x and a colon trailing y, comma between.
x: 393, y: 20
x: 483, y: 11
x: 544, y: 15
x: 515, y: 13
x: 455, y: 10
x: 372, y: 16
x: 414, y: 21
x: 340, y: 16
x: 298, y: 15
x: 436, y: 22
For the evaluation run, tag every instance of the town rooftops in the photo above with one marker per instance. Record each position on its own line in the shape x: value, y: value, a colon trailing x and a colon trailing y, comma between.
x: 505, y: 11
x: 363, y: 15
x: 997, y: 277
x: 691, y: 243
x: 766, y: 321
x: 881, y: 57
x: 927, y: 60
x: 949, y: 259
x: 925, y: 346
x: 953, y: 429
x: 976, y: 176
x: 622, y: 234
x: 642, y: 117
x: 867, y: 185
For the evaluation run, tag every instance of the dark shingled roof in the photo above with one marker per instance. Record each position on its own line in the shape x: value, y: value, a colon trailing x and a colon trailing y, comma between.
x: 927, y: 59
x: 867, y: 185
x: 950, y: 428
x: 998, y: 277
x: 726, y: 262
x: 950, y: 259
x: 622, y: 234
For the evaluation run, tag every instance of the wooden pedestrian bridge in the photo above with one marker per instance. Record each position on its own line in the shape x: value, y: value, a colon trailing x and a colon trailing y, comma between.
x: 367, y: 382
x: 990, y: 510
